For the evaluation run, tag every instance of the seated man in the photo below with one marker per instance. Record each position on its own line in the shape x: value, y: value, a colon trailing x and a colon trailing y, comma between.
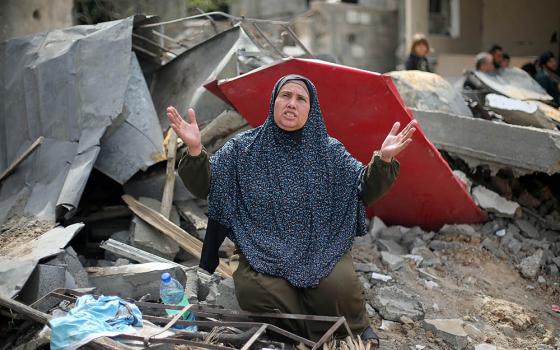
x: 483, y: 63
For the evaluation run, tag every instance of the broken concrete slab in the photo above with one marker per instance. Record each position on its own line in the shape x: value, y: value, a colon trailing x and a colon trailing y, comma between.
x: 380, y: 277
x: 43, y: 280
x: 392, y: 303
x: 443, y: 245
x: 69, y: 259
x: 475, y: 141
x: 491, y: 201
x: 391, y: 246
x: 527, y: 229
x: 531, y: 265
x: 366, y: 267
x: 461, y: 229
x: 132, y: 281
x: 429, y: 258
x: 17, y: 265
x: 519, y: 112
x: 394, y: 233
x: 450, y: 330
x: 376, y: 225
x: 429, y: 92
x: 392, y: 261
x: 190, y: 211
x: 228, y: 122
x: 515, y: 83
x: 146, y: 237
x: 493, y: 247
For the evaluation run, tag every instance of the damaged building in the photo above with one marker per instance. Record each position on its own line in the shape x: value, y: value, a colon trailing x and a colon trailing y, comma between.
x: 462, y: 253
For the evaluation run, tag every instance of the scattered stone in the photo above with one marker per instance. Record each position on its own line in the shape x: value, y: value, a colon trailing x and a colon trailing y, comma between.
x: 500, y: 311
x: 406, y: 320
x: 513, y: 244
x: 450, y: 330
x: 429, y: 258
x: 392, y: 303
x: 379, y: 277
x: 464, y: 179
x: 392, y: 261
x: 541, y: 280
x: 122, y: 262
x: 506, y: 330
x: 531, y: 265
x: 428, y: 236
x: 365, y: 282
x: 376, y: 226
x: 465, y: 230
x: 419, y: 347
x: 491, y: 201
x: 394, y: 233
x: 501, y: 233
x: 391, y: 246
x: 527, y: 229
x: 430, y: 284
x: 493, y: 247
x: 422, y: 272
x: 485, y: 346
x: 556, y: 260
x: 473, y: 331
x: 416, y: 258
x: 132, y: 281
x: 552, y: 270
x: 545, y: 347
x: 147, y: 238
x: 443, y: 245
x: 366, y: 267
x: 370, y: 310
x: 387, y: 325
x: 435, y: 307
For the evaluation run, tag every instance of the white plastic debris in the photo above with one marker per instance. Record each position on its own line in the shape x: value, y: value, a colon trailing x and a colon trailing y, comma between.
x: 501, y: 233
x: 380, y: 277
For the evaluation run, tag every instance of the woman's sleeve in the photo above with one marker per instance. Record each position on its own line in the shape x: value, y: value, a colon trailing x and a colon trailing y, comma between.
x: 377, y: 178
x: 195, y: 173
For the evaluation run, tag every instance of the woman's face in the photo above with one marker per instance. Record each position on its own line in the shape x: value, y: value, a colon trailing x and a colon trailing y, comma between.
x: 291, y: 107
x: 421, y: 50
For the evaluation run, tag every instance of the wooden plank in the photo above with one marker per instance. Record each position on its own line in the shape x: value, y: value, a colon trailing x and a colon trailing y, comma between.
x: 102, y: 343
x: 21, y: 158
x: 168, y: 228
x: 169, y: 186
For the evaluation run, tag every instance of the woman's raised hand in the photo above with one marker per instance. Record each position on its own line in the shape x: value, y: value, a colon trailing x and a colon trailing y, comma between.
x: 394, y: 143
x: 187, y: 131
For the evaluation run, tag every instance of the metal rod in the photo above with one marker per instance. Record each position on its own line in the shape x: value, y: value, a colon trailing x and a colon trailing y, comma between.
x: 255, y: 336
x: 149, y: 53
x: 178, y: 341
x: 166, y: 37
x: 151, y: 42
x: 294, y: 36
x: 219, y: 13
x: 329, y: 333
x: 268, y: 41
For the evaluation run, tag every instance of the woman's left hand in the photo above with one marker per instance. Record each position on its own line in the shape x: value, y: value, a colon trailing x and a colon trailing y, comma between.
x: 394, y: 143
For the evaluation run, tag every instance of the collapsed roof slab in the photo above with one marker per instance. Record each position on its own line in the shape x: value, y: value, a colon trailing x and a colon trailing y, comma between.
x: 499, y: 145
x: 359, y: 108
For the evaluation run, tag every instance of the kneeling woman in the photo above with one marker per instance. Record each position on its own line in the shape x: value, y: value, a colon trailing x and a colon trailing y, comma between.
x: 292, y: 199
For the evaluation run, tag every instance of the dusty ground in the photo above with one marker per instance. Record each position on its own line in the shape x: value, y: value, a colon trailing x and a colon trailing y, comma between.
x: 506, y: 309
x: 18, y: 230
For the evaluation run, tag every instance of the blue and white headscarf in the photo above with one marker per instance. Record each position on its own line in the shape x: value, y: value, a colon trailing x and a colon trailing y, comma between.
x: 290, y: 199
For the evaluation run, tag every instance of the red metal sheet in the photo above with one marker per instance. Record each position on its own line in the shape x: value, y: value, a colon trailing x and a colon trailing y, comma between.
x: 359, y: 108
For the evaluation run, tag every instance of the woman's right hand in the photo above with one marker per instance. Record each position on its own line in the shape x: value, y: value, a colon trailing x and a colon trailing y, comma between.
x: 187, y: 131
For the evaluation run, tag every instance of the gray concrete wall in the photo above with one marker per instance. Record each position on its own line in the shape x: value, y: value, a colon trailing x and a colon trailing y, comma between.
x: 359, y: 36
x: 521, y: 27
x: 268, y: 9
x: 24, y: 17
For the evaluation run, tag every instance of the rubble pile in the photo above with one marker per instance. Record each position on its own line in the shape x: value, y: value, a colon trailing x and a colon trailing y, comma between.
x: 83, y: 210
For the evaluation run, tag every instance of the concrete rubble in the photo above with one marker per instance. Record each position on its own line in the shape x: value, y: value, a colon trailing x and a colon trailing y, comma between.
x: 459, y: 286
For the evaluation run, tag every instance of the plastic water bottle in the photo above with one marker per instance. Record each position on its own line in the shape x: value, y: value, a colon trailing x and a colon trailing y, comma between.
x: 172, y: 292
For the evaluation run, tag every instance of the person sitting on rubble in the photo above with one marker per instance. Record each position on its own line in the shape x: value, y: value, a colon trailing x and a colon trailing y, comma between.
x: 292, y: 199
x: 497, y: 55
x: 506, y: 61
x: 547, y: 76
x: 417, y: 59
x: 483, y: 63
